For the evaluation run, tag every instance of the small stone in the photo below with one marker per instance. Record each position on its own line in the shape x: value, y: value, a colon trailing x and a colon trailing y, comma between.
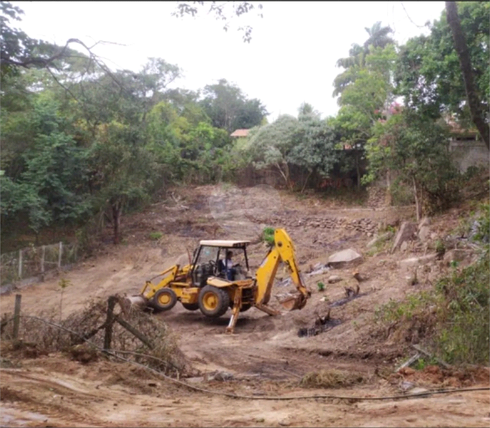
x: 222, y: 376
x: 334, y: 278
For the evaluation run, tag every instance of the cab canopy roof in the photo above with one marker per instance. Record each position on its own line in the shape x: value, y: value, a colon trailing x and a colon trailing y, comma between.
x: 225, y: 243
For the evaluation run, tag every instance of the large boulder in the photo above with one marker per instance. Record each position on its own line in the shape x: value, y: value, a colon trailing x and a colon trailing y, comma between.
x: 343, y: 258
x: 406, y: 233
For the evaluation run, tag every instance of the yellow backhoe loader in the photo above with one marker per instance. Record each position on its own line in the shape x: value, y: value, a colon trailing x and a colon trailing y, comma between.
x: 204, y: 284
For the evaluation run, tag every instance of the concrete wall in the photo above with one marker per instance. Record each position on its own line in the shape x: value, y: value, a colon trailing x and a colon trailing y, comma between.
x: 468, y: 153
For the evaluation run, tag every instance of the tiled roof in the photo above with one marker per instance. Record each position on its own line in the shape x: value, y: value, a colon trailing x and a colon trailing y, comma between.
x: 240, y: 133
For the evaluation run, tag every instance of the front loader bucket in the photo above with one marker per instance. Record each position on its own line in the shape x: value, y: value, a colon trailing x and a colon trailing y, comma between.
x: 128, y: 303
x: 292, y: 302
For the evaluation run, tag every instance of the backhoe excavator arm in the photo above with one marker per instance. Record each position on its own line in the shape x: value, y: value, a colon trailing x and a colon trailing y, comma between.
x: 283, y: 251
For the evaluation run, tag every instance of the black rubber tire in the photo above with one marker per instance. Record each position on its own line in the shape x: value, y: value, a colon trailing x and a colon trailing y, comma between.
x: 213, y: 301
x: 191, y: 306
x: 171, y: 299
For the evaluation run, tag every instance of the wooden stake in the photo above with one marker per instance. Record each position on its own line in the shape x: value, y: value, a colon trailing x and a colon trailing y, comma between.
x: 43, y: 253
x: 111, y: 302
x: 20, y: 264
x: 18, y: 298
x: 59, y: 255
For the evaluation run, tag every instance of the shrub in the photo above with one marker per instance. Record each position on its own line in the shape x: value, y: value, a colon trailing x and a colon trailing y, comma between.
x: 268, y: 235
x: 452, y: 319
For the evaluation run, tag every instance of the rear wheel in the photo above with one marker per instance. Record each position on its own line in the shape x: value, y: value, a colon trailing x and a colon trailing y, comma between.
x: 164, y: 299
x: 191, y: 306
x: 213, y: 301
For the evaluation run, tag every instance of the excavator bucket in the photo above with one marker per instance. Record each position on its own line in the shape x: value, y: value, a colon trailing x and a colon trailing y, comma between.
x: 292, y: 302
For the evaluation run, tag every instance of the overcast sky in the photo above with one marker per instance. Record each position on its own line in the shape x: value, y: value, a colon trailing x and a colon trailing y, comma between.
x: 291, y: 58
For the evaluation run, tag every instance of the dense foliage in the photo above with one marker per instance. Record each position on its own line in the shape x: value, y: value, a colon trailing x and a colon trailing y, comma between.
x: 83, y: 142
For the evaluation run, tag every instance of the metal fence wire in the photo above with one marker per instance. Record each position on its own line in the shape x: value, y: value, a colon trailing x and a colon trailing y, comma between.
x: 35, y: 261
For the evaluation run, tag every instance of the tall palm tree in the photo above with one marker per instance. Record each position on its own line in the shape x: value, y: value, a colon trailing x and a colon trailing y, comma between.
x: 378, y: 37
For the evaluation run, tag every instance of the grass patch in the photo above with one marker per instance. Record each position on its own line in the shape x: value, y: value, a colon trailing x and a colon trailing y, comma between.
x: 268, y: 235
x: 155, y: 236
x: 331, y: 379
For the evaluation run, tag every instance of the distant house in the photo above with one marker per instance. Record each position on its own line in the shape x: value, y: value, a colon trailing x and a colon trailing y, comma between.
x: 466, y: 146
x: 240, y: 133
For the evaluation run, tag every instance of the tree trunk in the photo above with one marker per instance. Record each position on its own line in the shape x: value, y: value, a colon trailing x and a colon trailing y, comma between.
x: 417, y: 202
x: 306, y: 181
x: 358, y: 172
x: 116, y: 216
x: 461, y: 47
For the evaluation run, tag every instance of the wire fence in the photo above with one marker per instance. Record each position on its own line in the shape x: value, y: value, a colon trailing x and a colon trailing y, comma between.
x: 33, y: 261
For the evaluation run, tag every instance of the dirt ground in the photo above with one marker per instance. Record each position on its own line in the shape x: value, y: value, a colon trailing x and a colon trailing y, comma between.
x: 265, y: 357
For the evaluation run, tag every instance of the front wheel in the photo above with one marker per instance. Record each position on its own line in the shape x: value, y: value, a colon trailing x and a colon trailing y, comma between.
x: 164, y: 299
x: 213, y: 301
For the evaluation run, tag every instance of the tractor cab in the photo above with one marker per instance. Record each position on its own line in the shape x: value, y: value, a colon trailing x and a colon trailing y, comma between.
x: 209, y: 261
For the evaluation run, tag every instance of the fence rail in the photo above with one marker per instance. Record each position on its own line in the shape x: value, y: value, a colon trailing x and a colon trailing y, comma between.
x: 35, y: 261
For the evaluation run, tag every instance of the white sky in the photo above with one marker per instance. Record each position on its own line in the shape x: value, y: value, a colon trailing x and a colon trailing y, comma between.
x: 290, y: 60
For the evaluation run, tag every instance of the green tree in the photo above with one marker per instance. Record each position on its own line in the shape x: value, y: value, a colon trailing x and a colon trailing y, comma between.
x: 53, y: 177
x: 472, y: 96
x: 229, y: 109
x: 356, y: 61
x: 416, y: 149
x: 366, y: 100
x: 428, y: 73
x: 314, y: 145
x: 271, y: 145
x: 125, y: 171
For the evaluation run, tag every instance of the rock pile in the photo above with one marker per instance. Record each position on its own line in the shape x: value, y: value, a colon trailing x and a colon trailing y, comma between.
x: 365, y: 226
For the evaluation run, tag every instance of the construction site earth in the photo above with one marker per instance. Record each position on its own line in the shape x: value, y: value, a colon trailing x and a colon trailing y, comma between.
x: 285, y: 370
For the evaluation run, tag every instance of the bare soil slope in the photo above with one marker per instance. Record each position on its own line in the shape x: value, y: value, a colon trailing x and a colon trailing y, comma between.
x: 265, y: 356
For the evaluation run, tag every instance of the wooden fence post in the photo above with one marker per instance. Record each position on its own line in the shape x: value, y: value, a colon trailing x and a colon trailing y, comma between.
x: 20, y: 264
x: 111, y: 302
x: 18, y: 298
x: 59, y: 255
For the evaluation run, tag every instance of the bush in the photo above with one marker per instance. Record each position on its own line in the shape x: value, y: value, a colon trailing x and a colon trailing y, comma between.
x: 452, y: 319
x: 464, y: 316
x: 268, y: 235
